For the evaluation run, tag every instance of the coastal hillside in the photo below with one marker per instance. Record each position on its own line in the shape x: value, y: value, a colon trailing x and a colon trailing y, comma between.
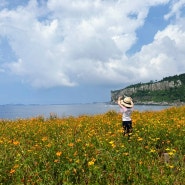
x: 169, y: 90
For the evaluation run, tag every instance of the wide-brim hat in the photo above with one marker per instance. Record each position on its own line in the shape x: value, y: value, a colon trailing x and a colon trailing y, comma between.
x: 127, y: 102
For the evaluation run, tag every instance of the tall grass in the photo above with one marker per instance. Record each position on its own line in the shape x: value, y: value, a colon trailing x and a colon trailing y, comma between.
x: 92, y: 150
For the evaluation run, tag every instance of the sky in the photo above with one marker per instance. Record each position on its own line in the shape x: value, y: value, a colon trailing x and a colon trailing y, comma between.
x: 78, y: 51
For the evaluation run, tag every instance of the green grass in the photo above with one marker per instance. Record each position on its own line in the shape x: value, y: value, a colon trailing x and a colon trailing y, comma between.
x: 92, y: 150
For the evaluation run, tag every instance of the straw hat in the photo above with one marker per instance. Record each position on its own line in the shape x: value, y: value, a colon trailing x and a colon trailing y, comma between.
x: 127, y: 102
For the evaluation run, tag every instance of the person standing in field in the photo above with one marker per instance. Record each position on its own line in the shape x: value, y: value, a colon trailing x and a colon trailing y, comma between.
x: 126, y: 106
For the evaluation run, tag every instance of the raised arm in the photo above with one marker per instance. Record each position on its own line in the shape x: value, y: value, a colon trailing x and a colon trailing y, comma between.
x: 119, y: 102
x: 132, y: 102
x: 122, y: 106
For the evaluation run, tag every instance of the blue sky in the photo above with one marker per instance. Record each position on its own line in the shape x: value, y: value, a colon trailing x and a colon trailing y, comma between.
x: 77, y: 51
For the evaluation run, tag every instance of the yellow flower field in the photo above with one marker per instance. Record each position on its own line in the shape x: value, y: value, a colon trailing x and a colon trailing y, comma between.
x: 91, y: 150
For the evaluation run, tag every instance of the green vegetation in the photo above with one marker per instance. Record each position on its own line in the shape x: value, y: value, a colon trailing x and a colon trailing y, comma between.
x: 171, y: 95
x: 91, y: 150
x: 176, y: 94
x: 180, y: 77
x: 175, y: 78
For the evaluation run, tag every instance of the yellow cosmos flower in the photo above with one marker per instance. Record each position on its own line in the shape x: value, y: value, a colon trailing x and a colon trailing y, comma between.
x: 171, y: 153
x: 152, y: 150
x: 139, y: 139
x: 58, y: 154
x: 12, y: 171
x: 56, y: 161
x: 122, y: 146
x: 76, y: 153
x: 126, y: 154
x: 71, y: 144
x: 140, y: 162
x: 77, y: 161
x: 78, y: 140
x: 16, y: 142
x: 44, y: 139
x: 111, y: 142
x: 48, y: 145
x: 90, y: 163
x: 16, y: 166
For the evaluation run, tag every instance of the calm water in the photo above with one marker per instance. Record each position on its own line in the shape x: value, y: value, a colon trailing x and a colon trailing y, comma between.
x: 27, y: 111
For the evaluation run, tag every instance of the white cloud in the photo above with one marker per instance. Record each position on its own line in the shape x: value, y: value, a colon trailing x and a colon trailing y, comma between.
x: 65, y: 43
x: 163, y: 57
x: 176, y: 9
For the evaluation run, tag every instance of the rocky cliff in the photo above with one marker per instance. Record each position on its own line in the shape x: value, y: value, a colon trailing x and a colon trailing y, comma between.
x: 170, y: 89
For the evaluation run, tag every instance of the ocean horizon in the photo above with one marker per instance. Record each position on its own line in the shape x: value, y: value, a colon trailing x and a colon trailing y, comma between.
x: 22, y: 111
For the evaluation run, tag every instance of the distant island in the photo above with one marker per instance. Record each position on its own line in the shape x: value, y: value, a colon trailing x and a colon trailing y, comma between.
x: 168, y: 91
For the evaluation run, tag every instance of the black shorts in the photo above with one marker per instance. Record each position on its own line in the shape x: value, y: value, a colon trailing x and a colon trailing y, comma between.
x: 127, y: 125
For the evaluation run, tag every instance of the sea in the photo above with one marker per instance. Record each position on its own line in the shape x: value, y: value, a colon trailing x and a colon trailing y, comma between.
x: 12, y: 112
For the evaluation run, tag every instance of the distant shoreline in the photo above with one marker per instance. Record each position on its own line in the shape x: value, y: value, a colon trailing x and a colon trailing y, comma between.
x: 156, y: 103
x: 160, y: 103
